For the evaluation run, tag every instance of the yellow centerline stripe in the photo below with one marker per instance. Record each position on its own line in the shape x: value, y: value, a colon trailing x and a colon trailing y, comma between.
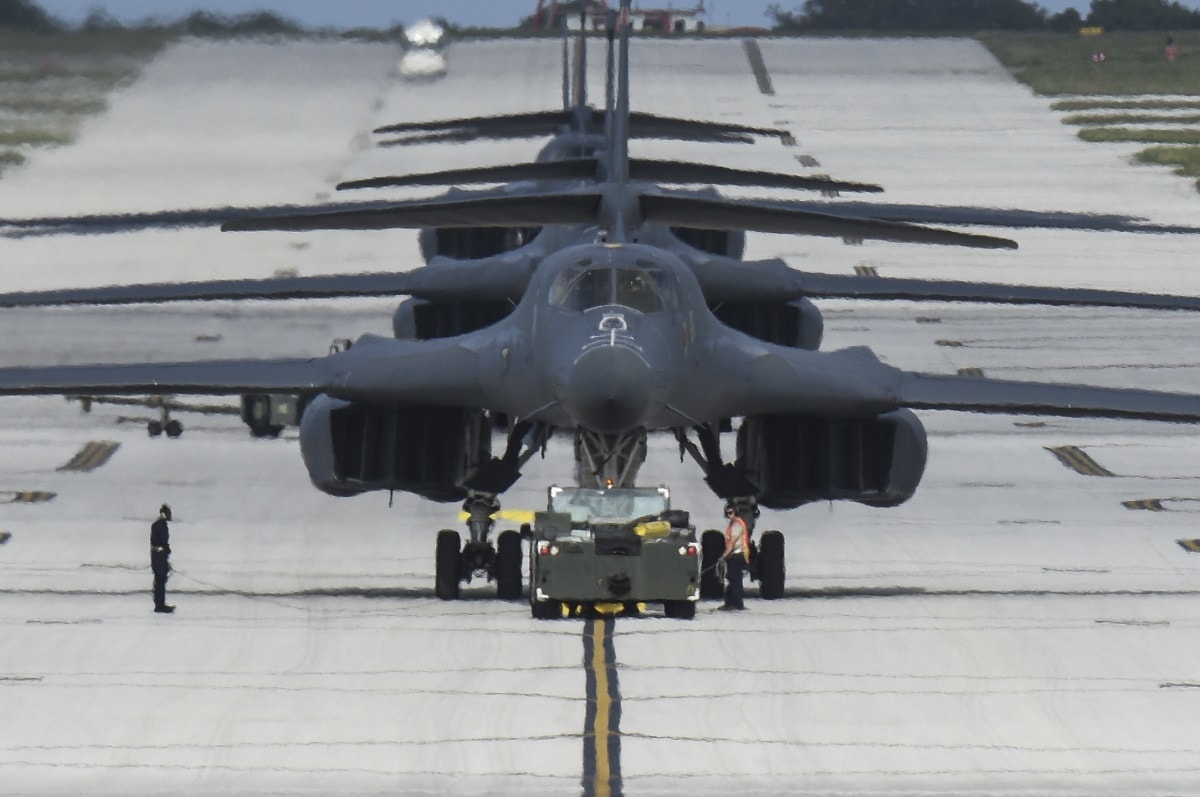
x: 600, y: 729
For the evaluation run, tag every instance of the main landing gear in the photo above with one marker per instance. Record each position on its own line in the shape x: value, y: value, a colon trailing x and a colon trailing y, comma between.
x: 164, y: 423
x: 767, y: 561
x: 478, y: 558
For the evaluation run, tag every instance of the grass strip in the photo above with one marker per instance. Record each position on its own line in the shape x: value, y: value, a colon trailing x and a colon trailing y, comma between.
x: 1184, y: 160
x: 34, y: 138
x: 1125, y: 105
x: 1094, y: 120
x: 1122, y: 134
x: 68, y: 105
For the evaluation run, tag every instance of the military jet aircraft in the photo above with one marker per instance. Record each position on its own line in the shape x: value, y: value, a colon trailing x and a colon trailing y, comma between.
x: 606, y: 338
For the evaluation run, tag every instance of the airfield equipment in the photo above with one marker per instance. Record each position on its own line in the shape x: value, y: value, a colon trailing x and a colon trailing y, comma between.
x: 615, y: 547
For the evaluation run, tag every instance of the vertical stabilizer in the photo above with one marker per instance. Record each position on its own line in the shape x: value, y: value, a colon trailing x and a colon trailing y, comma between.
x: 581, y: 97
x: 610, y: 76
x: 620, y: 128
x: 566, y: 64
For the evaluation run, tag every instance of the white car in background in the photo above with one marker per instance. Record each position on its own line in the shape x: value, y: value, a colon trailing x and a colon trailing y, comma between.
x: 424, y: 57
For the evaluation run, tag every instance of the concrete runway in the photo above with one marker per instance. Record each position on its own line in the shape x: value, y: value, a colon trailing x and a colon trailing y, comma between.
x: 1015, y: 628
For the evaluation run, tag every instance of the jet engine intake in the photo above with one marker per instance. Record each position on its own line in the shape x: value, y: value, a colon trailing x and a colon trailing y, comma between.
x: 796, y: 324
x: 716, y: 242
x: 430, y: 451
x: 799, y: 459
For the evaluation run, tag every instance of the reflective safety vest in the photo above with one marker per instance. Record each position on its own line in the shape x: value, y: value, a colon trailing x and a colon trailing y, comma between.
x: 741, y: 543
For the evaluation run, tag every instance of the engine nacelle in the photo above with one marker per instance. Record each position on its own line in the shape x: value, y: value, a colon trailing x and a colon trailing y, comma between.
x: 797, y: 324
x: 353, y: 448
x: 730, y: 243
x: 420, y: 319
x: 798, y: 459
x: 473, y: 243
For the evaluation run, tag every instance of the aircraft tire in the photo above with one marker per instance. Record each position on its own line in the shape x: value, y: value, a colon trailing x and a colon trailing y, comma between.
x: 772, y: 569
x: 154, y: 428
x: 446, y: 580
x: 508, y: 566
x: 712, y: 545
x: 679, y: 610
x: 173, y: 428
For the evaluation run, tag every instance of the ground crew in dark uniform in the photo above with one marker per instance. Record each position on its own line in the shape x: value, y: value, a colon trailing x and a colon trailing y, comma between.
x: 160, y: 558
x: 737, y: 554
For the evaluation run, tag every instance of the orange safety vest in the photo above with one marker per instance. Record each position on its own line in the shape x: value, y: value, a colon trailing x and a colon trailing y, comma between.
x: 745, y: 535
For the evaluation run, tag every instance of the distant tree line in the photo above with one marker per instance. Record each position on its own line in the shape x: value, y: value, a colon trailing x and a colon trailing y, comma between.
x: 957, y: 15
x: 28, y: 16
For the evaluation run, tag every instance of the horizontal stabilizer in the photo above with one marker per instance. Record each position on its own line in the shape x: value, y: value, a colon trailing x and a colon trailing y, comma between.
x: 977, y: 394
x: 643, y: 125
x: 537, y: 122
x: 678, y: 172
x: 714, y: 214
x: 653, y: 171
x: 492, y: 211
x: 573, y: 169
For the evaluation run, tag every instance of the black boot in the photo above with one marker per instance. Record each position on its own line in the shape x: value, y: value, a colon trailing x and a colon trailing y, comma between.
x: 164, y: 609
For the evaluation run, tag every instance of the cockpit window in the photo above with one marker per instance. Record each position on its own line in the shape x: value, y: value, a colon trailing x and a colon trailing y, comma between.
x: 582, y: 288
x: 639, y: 290
x: 646, y: 290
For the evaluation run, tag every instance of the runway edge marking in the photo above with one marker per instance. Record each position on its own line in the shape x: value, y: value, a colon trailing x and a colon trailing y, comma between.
x: 1077, y: 460
x: 91, y: 456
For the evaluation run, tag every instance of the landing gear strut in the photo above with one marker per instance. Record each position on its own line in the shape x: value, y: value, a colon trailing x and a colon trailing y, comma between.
x: 478, y: 558
x: 767, y: 560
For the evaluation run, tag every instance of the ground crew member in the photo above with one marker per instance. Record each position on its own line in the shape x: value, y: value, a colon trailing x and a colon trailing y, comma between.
x: 160, y: 558
x: 737, y: 554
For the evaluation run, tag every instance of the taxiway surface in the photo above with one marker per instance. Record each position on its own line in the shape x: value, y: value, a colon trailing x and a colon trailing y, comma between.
x: 1016, y: 627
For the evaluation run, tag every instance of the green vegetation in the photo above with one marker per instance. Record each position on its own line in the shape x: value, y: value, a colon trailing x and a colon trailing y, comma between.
x: 34, y: 137
x: 49, y: 81
x: 52, y: 105
x: 1186, y: 160
x: 1093, y: 120
x: 1124, y: 134
x: 1134, y: 63
x: 1147, y: 105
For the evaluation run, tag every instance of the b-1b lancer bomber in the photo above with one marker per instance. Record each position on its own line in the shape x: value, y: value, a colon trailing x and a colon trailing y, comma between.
x: 604, y: 328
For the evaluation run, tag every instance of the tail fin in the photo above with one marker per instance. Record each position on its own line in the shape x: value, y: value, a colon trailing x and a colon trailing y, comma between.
x: 581, y: 98
x: 619, y: 141
x: 566, y: 65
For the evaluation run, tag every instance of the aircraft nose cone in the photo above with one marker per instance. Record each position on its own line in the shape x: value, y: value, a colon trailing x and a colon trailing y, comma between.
x: 609, y: 390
